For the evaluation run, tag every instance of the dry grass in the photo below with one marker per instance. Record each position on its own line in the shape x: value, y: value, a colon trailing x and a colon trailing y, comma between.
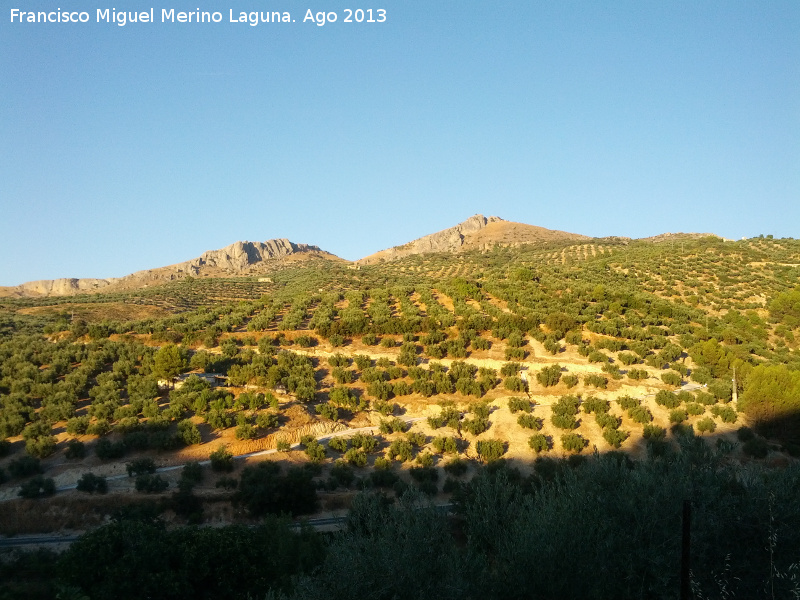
x: 93, y: 312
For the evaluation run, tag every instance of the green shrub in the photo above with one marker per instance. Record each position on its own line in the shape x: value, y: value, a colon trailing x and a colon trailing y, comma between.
x: 151, y: 484
x: 756, y: 447
x: 188, y: 433
x: 314, y: 450
x: 528, y: 421
x: 107, y: 450
x: 456, y: 467
x: 694, y: 409
x: 91, y: 483
x: 78, y: 425
x: 722, y: 390
x: 383, y: 477
x: 75, y: 450
x: 37, y: 487
x: 244, y: 429
x: 706, y: 425
x: 267, y: 420
x: 416, y: 438
x: 192, y: 473
x: 595, y: 356
x: 510, y: 368
x: 725, y: 413
x: 549, y: 376
x: 627, y: 402
x: 306, y: 341
x: 24, y: 466
x: 667, y: 399
x: 392, y: 426
x: 401, y: 450
x: 356, y: 457
x: 672, y: 378
x: 678, y: 415
x: 362, y: 361
x: 338, y: 360
x: 327, y: 411
x: 339, y: 444
x: 564, y: 421
x: 570, y: 380
x: 607, y: 420
x: 614, y: 436
x: 514, y: 354
x: 514, y: 384
x: 475, y: 426
x: 705, y: 399
x: 425, y: 460
x: 516, y: 404
x: 744, y: 434
x: 539, y: 442
x: 382, y: 463
x: 701, y: 375
x: 445, y: 445
x: 222, y: 460
x: 228, y: 483
x: 640, y: 414
x: 596, y: 380
x: 592, y: 404
x: 637, y: 374
x: 573, y: 442
x: 140, y: 466
x: 342, y: 376
x: 490, y: 450
x: 654, y: 432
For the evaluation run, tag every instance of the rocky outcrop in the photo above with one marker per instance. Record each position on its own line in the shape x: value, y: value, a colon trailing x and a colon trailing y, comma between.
x: 240, y: 258
x: 61, y: 287
x: 240, y: 255
x: 448, y: 240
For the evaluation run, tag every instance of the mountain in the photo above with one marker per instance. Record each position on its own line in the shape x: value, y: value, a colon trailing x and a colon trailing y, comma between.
x: 253, y: 258
x: 476, y: 233
x: 240, y: 258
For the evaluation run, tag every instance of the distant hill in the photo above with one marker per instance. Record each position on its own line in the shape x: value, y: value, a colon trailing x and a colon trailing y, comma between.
x: 476, y: 233
x: 253, y: 258
x: 676, y: 237
x: 240, y: 258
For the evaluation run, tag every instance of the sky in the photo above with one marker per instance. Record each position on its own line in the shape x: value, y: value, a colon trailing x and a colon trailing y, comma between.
x: 132, y: 147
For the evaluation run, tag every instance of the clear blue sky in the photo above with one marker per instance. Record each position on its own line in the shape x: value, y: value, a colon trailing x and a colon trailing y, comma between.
x: 125, y: 148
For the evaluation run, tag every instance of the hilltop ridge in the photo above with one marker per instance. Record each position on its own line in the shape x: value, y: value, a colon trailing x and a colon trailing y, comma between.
x: 244, y: 258
x: 239, y: 258
x: 476, y: 233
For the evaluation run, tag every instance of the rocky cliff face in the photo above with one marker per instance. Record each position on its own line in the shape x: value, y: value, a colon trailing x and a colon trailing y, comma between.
x: 239, y: 258
x: 61, y: 287
x: 448, y: 240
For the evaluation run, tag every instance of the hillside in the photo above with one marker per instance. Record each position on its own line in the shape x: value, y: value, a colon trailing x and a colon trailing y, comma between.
x: 476, y: 233
x: 238, y: 259
x: 612, y: 358
x: 247, y: 259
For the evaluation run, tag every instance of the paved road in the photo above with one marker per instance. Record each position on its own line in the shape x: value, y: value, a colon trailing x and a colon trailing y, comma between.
x: 50, y: 540
x: 36, y: 540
